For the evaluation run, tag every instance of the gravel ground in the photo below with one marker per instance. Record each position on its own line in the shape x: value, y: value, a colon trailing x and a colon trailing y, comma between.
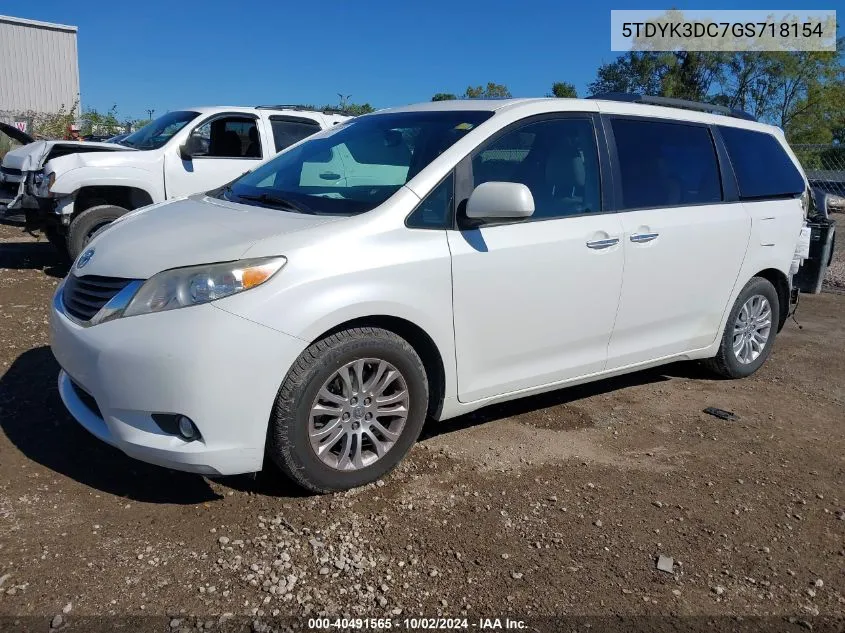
x: 616, y: 499
x: 835, y: 277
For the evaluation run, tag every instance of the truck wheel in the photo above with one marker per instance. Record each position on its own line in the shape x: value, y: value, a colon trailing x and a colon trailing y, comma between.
x: 349, y: 409
x: 750, y: 331
x: 83, y: 227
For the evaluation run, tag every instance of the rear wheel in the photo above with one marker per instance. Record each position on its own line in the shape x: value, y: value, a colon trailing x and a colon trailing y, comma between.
x: 349, y: 410
x: 85, y: 225
x: 750, y: 331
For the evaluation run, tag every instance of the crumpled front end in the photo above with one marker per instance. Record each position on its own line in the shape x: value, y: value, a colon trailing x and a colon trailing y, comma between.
x: 20, y: 173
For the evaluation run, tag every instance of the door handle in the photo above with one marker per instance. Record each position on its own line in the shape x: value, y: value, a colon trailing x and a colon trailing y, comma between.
x: 639, y: 238
x: 600, y: 244
x: 327, y: 175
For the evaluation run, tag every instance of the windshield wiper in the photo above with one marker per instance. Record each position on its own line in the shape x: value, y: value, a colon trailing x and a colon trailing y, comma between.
x: 275, y: 201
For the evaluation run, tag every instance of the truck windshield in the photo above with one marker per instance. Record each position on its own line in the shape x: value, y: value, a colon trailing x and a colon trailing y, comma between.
x: 158, y: 132
x: 354, y: 167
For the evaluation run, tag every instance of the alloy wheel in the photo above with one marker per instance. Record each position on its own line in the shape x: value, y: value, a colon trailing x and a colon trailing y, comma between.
x: 752, y: 329
x: 358, y: 414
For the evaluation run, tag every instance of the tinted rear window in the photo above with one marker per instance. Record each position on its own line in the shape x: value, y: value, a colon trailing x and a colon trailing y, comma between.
x: 763, y: 169
x: 666, y: 164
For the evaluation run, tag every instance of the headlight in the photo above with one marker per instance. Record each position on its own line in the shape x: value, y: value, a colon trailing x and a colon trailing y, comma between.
x: 43, y: 183
x: 183, y: 287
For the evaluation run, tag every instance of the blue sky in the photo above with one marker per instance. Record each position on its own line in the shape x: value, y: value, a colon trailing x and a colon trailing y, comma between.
x: 168, y: 55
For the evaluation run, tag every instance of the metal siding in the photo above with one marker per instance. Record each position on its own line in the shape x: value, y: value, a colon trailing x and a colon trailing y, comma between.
x: 39, y: 70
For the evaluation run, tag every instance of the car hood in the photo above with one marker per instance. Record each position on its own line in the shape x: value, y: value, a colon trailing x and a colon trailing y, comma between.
x: 32, y: 157
x: 10, y: 130
x: 187, y: 232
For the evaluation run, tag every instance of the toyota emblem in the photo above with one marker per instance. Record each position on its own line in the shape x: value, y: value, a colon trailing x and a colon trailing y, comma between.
x: 85, y: 258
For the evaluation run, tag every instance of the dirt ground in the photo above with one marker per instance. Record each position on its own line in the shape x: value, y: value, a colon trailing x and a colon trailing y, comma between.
x: 557, y: 505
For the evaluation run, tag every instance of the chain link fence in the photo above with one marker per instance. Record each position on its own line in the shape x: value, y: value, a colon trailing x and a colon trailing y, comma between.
x: 824, y: 165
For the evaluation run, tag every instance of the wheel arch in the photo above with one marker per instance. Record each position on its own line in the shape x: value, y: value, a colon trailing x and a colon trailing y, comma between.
x: 422, y: 343
x: 782, y: 286
x: 125, y: 196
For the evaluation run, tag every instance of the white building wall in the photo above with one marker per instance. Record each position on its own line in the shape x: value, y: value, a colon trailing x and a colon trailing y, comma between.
x: 39, y: 67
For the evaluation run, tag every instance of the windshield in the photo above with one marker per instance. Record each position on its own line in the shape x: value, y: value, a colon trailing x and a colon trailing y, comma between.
x: 157, y: 133
x: 354, y: 167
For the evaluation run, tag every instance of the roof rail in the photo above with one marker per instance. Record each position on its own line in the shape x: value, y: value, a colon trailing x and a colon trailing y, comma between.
x: 304, y: 108
x: 670, y: 102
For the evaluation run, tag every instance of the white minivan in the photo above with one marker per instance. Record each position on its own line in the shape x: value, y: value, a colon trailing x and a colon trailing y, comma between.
x: 423, y: 262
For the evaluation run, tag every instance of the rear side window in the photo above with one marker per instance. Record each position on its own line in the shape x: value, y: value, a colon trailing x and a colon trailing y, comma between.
x: 286, y: 131
x: 763, y: 169
x: 666, y: 164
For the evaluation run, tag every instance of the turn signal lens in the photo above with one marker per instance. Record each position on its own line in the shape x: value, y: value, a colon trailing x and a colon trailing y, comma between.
x: 256, y: 275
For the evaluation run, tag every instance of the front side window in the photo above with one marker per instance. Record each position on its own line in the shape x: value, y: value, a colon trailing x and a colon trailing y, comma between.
x: 157, y: 133
x: 353, y: 167
x: 557, y: 159
x: 763, y: 169
x: 666, y: 164
x: 227, y: 137
x: 287, y: 131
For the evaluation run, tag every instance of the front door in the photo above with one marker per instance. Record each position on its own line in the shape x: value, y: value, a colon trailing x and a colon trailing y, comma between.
x: 225, y: 146
x: 535, y: 300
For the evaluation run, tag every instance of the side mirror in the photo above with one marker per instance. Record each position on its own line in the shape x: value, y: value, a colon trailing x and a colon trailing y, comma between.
x: 500, y: 200
x: 190, y: 149
x: 185, y: 151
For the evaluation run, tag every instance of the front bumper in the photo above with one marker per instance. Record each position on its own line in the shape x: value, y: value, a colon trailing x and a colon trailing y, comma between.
x: 218, y: 369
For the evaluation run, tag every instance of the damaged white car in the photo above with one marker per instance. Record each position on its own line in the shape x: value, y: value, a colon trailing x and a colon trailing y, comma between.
x: 22, y: 171
x: 71, y: 190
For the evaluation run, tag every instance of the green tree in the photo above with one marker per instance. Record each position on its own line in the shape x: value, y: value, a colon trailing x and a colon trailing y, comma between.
x: 95, y: 122
x: 353, y: 109
x: 801, y: 92
x: 443, y: 96
x: 357, y: 109
x: 683, y: 75
x: 563, y: 89
x: 54, y: 125
x: 490, y: 91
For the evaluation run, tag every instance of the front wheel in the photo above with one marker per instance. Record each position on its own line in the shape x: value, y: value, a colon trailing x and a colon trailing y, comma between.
x: 85, y: 225
x: 750, y: 331
x: 348, y: 411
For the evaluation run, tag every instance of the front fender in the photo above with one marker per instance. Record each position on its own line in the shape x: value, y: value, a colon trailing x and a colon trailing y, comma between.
x: 70, y: 181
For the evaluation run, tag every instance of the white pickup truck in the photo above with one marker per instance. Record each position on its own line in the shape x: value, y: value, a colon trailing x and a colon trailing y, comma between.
x: 70, y: 190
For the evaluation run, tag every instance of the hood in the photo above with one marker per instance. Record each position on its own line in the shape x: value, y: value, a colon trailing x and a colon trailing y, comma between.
x: 32, y: 157
x: 188, y: 232
x: 21, y: 137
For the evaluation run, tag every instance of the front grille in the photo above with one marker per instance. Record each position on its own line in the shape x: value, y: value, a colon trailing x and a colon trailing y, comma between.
x: 83, y: 297
x: 87, y: 399
x: 11, y: 171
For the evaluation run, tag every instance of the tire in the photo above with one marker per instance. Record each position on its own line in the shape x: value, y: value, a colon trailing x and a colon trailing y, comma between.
x: 730, y: 363
x: 86, y: 224
x: 289, y: 444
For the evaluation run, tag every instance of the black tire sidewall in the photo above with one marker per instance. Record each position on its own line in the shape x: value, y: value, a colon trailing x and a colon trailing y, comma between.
x: 290, y: 445
x: 757, y: 286
x: 82, y: 225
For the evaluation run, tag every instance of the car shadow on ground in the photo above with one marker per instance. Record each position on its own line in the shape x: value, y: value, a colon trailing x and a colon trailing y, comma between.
x: 567, y: 395
x: 34, y: 419
x: 26, y: 255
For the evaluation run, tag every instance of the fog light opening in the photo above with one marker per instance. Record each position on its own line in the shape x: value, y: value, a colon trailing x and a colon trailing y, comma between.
x: 187, y: 429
